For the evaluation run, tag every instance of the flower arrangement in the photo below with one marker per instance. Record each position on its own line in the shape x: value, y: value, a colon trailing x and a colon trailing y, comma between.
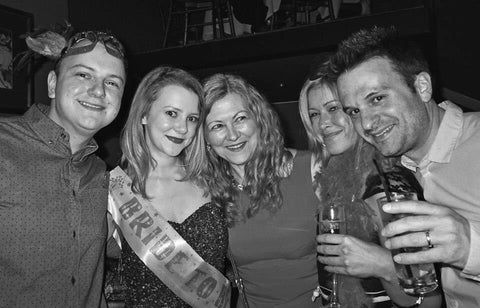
x: 44, y: 43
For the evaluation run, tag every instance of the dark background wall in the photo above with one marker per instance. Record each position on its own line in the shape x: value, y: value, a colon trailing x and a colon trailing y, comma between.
x: 140, y: 25
x: 45, y: 15
x: 457, y: 50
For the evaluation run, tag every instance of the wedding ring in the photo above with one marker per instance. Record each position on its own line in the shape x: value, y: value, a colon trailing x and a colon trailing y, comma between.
x: 429, y: 240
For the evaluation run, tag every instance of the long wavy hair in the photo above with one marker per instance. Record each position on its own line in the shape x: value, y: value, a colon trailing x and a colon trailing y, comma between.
x: 267, y: 165
x: 137, y: 160
x: 319, y: 79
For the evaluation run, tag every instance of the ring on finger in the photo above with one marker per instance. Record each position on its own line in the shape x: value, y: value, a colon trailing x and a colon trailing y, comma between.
x: 429, y: 240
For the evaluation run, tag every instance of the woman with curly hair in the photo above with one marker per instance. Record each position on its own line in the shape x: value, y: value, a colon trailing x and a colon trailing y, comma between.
x: 267, y: 193
x: 348, y: 175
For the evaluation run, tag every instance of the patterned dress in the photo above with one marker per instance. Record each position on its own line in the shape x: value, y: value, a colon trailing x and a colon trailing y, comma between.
x: 205, y: 231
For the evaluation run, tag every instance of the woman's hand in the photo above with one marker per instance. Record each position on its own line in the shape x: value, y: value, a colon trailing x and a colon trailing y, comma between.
x: 348, y: 255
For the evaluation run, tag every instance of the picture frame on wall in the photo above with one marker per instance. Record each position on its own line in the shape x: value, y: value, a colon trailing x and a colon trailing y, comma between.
x: 15, y: 85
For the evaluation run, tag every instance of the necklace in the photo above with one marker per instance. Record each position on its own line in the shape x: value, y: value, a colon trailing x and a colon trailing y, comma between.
x: 237, y: 185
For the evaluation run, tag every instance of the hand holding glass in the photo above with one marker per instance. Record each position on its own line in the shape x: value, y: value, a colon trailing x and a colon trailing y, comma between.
x: 416, y: 279
x: 332, y: 220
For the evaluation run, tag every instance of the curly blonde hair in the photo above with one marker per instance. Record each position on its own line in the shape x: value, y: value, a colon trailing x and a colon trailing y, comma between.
x: 267, y: 165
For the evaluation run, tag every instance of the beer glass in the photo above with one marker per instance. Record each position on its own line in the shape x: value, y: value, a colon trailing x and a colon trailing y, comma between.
x: 416, y: 279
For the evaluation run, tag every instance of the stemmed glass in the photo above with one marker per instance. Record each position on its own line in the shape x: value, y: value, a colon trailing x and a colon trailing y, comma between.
x: 332, y: 220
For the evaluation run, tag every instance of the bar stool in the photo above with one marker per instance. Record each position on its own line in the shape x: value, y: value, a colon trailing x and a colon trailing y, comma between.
x: 184, y: 8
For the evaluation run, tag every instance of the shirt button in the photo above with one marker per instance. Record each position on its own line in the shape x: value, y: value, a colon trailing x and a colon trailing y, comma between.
x: 73, y: 280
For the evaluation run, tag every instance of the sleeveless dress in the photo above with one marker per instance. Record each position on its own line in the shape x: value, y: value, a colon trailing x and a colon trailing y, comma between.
x: 276, y: 252
x: 205, y: 231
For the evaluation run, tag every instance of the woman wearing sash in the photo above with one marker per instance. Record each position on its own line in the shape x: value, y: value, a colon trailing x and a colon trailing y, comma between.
x: 160, y: 202
x: 267, y: 192
x: 367, y: 274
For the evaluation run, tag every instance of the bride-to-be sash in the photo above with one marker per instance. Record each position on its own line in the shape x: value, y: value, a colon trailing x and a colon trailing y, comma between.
x: 163, y: 250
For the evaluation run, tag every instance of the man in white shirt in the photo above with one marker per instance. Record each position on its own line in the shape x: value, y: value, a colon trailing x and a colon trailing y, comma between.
x: 385, y: 86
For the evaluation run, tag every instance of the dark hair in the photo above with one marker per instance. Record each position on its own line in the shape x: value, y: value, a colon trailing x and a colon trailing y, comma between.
x: 268, y: 164
x: 136, y: 158
x: 405, y: 56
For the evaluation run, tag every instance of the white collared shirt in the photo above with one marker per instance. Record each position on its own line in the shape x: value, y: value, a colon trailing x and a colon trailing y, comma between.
x: 450, y: 176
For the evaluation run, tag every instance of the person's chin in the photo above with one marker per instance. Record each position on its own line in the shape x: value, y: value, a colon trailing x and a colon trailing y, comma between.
x: 91, y: 124
x: 238, y: 161
x: 173, y: 153
x: 337, y: 150
x: 174, y: 149
x: 336, y: 146
x: 99, y: 119
x: 94, y: 125
x: 387, y: 150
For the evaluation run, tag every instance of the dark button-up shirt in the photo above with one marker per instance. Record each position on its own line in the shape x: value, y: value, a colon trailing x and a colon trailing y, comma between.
x: 52, y: 216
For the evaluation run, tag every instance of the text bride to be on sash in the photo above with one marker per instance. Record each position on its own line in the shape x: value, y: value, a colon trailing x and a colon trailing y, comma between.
x: 139, y: 219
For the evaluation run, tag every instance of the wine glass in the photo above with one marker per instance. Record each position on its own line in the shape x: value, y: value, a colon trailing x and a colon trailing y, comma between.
x: 332, y: 220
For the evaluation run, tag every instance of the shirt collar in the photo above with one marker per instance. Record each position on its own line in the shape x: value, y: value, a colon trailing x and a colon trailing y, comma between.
x: 42, y: 125
x: 52, y: 133
x: 445, y: 140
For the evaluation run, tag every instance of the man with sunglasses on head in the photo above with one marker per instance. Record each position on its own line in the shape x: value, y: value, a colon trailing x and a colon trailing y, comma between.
x: 53, y: 188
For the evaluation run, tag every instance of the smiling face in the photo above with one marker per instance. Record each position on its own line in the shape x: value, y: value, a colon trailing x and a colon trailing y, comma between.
x: 231, y: 130
x: 384, y: 110
x: 172, y: 121
x: 87, y: 92
x: 329, y: 121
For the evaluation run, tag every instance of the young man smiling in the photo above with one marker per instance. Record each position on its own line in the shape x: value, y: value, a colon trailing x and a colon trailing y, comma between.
x: 385, y: 85
x: 53, y: 189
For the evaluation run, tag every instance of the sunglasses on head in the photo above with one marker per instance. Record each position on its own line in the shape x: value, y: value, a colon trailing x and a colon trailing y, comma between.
x: 84, y: 42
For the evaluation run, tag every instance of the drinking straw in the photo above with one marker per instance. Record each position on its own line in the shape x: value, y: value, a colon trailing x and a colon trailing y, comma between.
x: 386, y: 188
x: 384, y: 179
